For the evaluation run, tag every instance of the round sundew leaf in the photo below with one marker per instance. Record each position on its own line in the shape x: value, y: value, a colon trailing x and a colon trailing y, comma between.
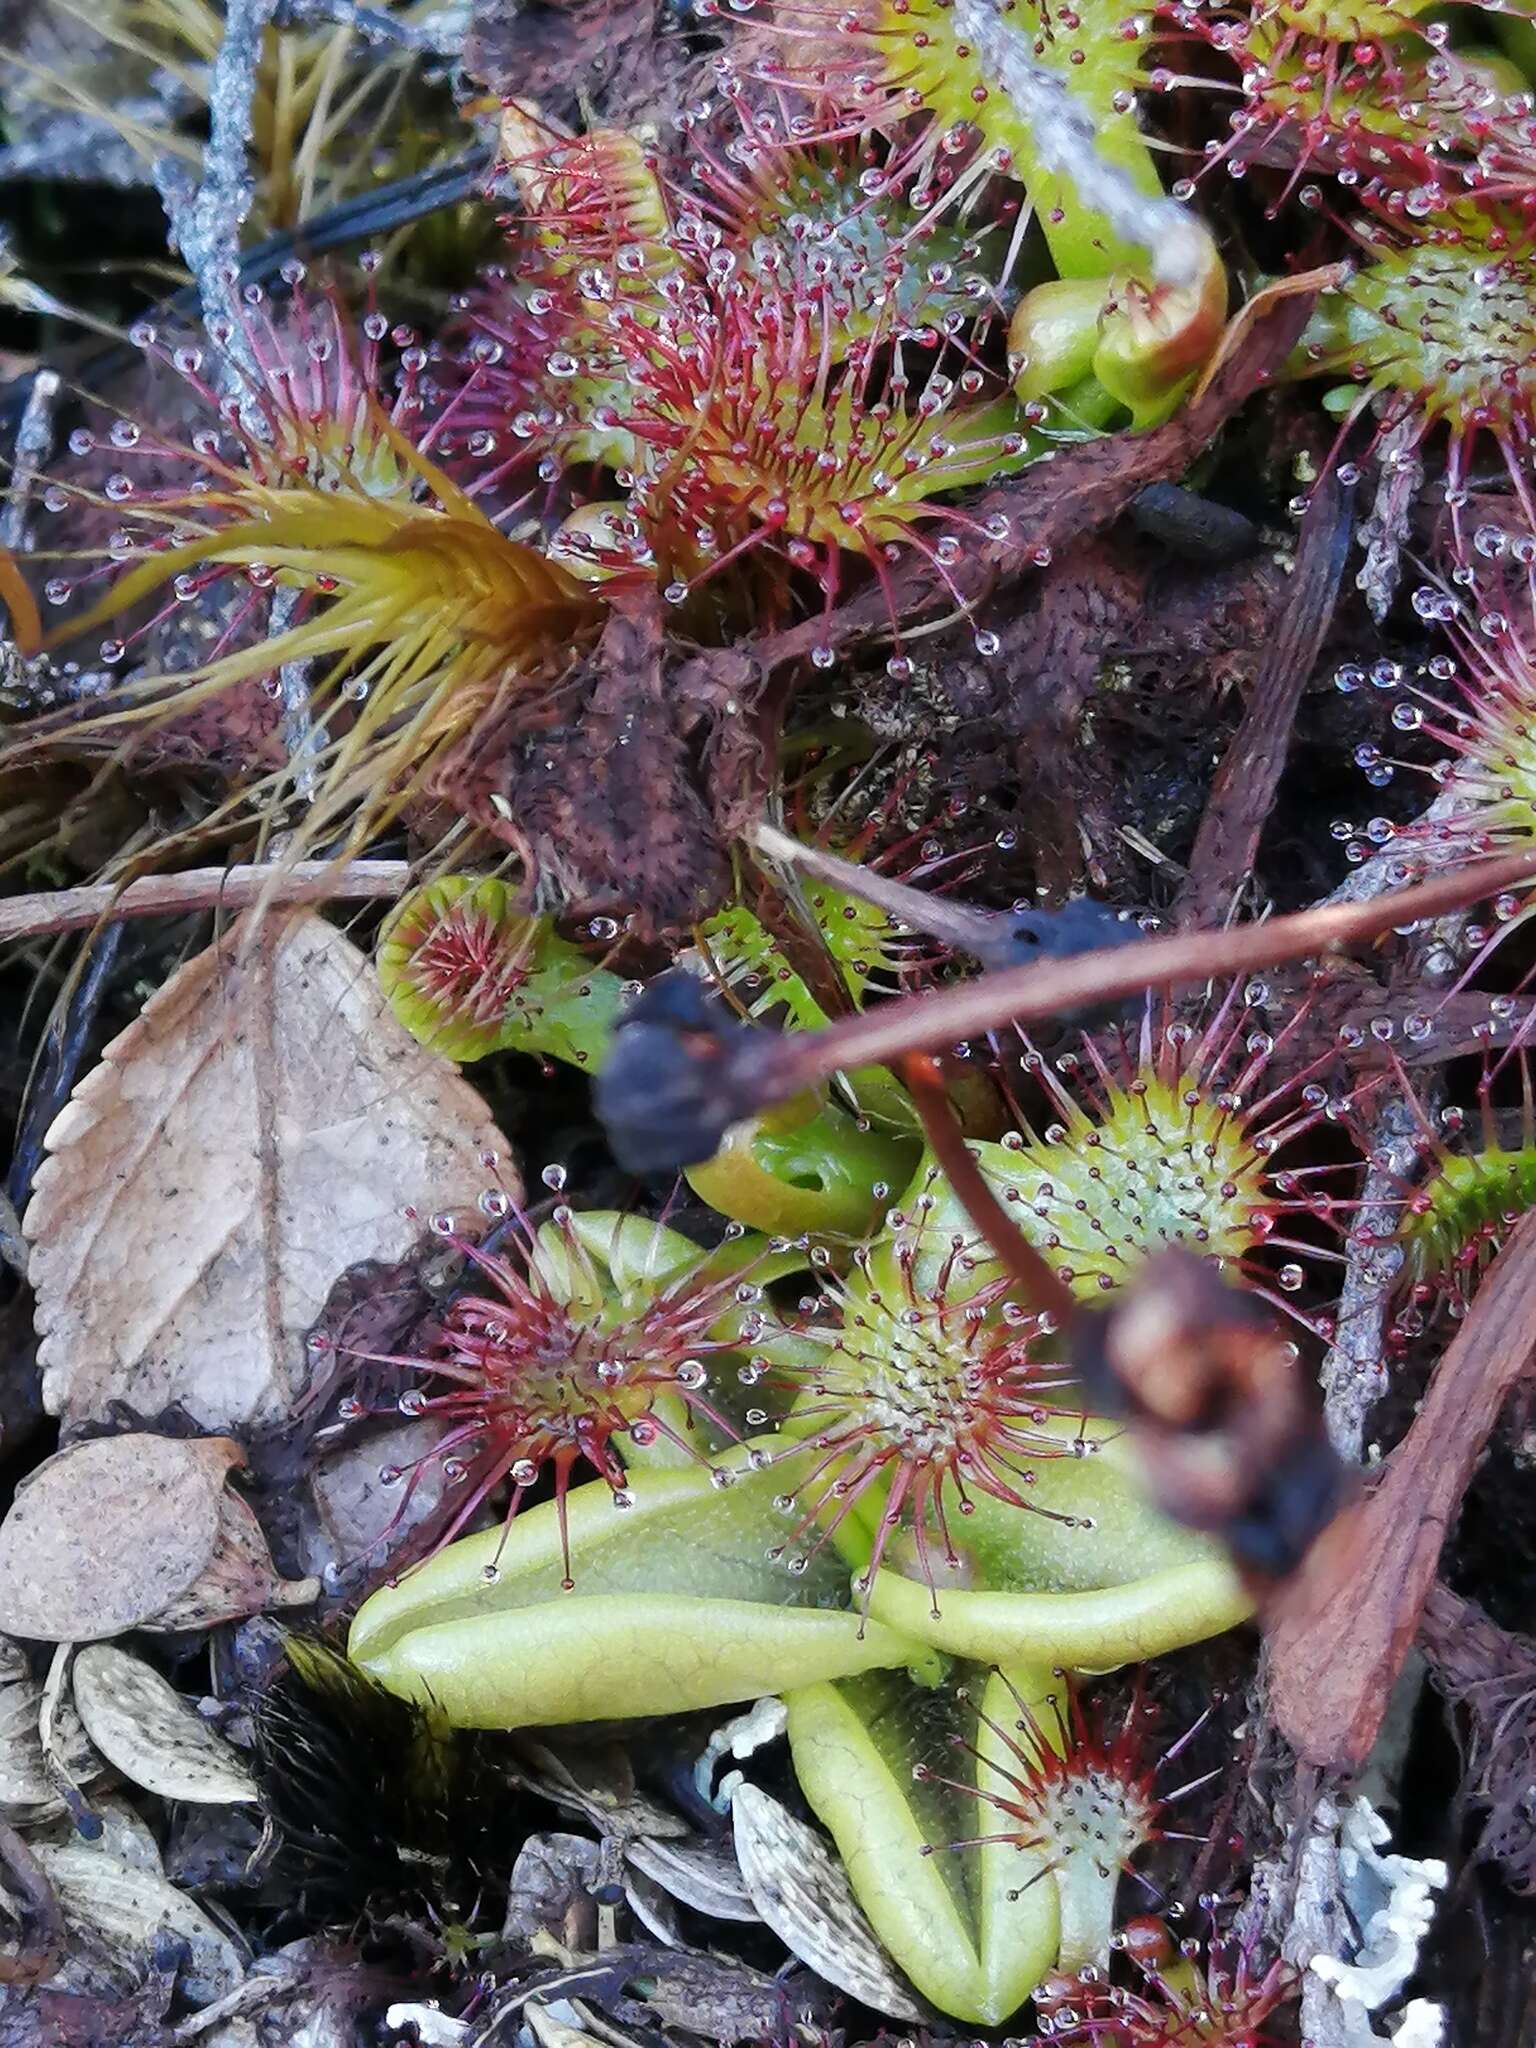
x: 144, y: 1727
x: 676, y: 1604
x: 1095, y: 1526
x: 973, y: 1927
x: 468, y: 974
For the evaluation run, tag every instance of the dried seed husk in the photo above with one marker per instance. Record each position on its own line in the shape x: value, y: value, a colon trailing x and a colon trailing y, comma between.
x: 114, y: 1914
x: 134, y: 1531
x: 28, y: 1791
x: 126, y: 1836
x: 144, y: 1727
x: 802, y: 1891
x: 239, y: 1577
x: 699, y: 1873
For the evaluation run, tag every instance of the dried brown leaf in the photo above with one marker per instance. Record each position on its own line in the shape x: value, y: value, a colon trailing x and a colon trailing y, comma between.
x: 702, y: 1874
x: 1338, y: 1641
x: 570, y: 54
x: 134, y: 1531
x: 264, y: 1124
x: 606, y: 807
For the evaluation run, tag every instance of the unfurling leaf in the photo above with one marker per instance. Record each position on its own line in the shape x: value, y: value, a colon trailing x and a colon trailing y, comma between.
x: 677, y: 1604
x: 884, y: 1763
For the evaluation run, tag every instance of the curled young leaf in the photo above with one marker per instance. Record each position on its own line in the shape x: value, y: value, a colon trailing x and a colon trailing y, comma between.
x: 974, y: 1923
x: 809, y: 1168
x: 1095, y: 1578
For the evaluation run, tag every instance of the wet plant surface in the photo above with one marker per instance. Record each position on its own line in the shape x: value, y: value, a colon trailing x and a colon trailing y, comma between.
x: 768, y: 816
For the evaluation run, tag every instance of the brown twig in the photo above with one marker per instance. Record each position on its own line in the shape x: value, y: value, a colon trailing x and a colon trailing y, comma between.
x: 935, y: 1021
x: 1353, y: 1374
x: 959, y: 926
x: 1243, y: 791
x: 234, y: 888
x: 1337, y: 1646
x: 1038, y: 1286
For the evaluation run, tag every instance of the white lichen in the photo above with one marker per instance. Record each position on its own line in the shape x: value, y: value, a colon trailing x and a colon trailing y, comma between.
x: 1391, y: 1900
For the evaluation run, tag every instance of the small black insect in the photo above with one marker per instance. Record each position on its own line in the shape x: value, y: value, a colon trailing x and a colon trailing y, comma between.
x: 1081, y: 926
x: 682, y: 1070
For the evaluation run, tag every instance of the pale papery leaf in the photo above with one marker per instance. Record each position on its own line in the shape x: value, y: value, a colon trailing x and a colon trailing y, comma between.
x: 263, y: 1125
x: 27, y: 1791
x: 152, y: 1734
x: 135, y: 1531
x: 115, y: 1913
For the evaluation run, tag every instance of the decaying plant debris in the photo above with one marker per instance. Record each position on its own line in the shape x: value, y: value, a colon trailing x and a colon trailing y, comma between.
x: 766, y: 800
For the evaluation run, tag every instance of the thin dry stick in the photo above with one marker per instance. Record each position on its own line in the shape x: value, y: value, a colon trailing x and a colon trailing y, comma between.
x: 206, y: 220
x: 961, y: 927
x: 1048, y: 988
x: 1354, y: 1373
x: 1243, y: 792
x: 33, y: 438
x: 306, y: 881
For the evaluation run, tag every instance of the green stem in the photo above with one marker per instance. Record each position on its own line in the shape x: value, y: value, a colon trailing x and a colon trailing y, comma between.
x: 1080, y: 242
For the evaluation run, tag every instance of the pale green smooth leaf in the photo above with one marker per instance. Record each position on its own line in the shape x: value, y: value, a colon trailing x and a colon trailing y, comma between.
x: 677, y: 1604
x: 966, y: 1924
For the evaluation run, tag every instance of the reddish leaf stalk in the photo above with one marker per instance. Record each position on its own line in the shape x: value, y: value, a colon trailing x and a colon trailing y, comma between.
x: 1038, y: 1286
